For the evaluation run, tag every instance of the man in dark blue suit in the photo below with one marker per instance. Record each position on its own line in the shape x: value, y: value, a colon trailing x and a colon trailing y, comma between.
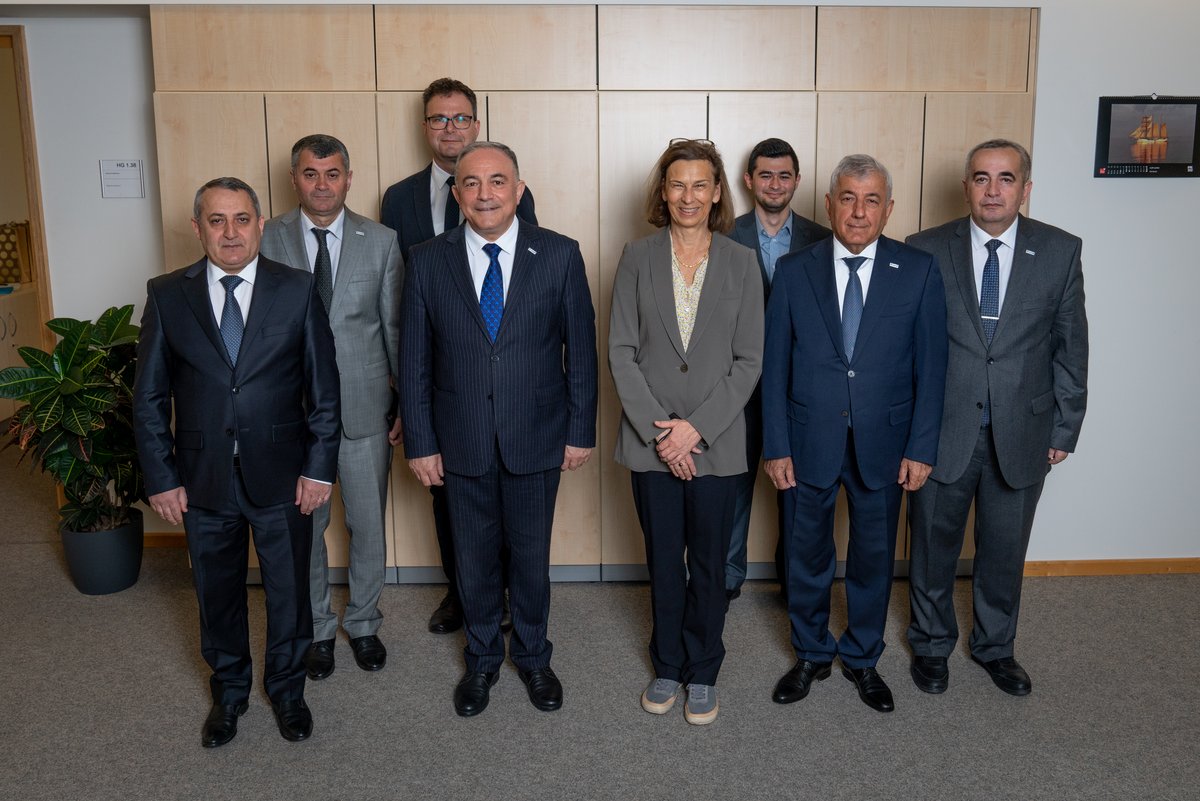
x: 419, y: 208
x: 498, y: 396
x: 237, y: 348
x: 854, y: 373
x: 771, y: 229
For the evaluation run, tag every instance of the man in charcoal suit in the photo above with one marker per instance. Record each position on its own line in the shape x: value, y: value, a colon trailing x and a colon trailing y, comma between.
x: 419, y: 208
x: 238, y: 349
x: 1016, y: 392
x: 771, y: 230
x: 498, y: 395
x: 357, y: 269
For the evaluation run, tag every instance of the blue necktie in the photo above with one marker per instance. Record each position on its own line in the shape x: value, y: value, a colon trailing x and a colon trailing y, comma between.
x: 232, y: 324
x: 323, y: 268
x: 989, y: 307
x: 491, y: 296
x: 852, y: 305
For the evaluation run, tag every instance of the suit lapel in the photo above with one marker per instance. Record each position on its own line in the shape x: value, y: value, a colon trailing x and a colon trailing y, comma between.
x: 661, y: 282
x: 354, y: 246
x: 525, y: 263
x: 819, y: 269
x: 422, y: 209
x: 884, y: 275
x: 266, y: 285
x: 1021, y: 277
x: 962, y: 269
x: 195, y: 289
x: 710, y: 293
x: 455, y: 251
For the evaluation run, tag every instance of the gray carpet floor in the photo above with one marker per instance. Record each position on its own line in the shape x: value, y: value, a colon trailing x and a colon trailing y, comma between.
x: 103, y: 698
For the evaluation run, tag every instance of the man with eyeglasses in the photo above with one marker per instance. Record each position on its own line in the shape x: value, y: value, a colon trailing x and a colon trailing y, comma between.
x: 419, y: 208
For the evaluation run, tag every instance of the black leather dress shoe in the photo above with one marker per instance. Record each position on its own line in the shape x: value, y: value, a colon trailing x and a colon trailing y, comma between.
x: 369, y: 652
x: 931, y: 674
x: 318, y: 660
x: 545, y: 690
x: 221, y: 724
x: 472, y: 693
x: 1008, y: 675
x: 294, y: 719
x: 872, y: 689
x: 796, y: 683
x: 506, y: 616
x: 447, y: 618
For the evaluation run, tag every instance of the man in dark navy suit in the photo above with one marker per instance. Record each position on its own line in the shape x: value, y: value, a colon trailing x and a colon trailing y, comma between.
x: 854, y: 372
x: 419, y: 208
x: 498, y: 396
x: 237, y: 348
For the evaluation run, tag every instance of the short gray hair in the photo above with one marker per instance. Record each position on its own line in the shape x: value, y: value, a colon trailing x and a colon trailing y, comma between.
x: 481, y: 144
x: 322, y: 146
x: 1001, y: 144
x: 859, y: 165
x: 233, y: 185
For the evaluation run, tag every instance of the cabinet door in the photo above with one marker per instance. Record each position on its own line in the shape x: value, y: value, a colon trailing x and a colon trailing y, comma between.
x: 554, y: 136
x: 350, y: 116
x: 201, y: 136
x: 635, y: 128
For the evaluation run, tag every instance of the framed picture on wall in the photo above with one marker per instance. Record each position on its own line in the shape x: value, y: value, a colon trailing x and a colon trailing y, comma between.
x: 1148, y: 137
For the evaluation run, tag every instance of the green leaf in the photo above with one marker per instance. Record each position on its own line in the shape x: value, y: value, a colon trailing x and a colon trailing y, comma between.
x: 48, y: 412
x: 19, y: 383
x: 77, y: 421
x: 73, y: 347
x: 65, y: 325
x: 38, y: 359
x: 97, y: 399
x: 113, y: 327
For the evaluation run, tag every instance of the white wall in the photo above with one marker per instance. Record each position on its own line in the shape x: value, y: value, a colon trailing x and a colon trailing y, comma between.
x: 1124, y: 494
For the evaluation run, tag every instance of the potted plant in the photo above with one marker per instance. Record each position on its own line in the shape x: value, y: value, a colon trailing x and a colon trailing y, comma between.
x: 77, y: 424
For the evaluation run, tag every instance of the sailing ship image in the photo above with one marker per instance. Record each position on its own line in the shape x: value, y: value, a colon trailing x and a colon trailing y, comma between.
x: 1149, y: 144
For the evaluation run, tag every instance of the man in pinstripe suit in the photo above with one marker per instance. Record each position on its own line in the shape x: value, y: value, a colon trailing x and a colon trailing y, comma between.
x: 498, y: 396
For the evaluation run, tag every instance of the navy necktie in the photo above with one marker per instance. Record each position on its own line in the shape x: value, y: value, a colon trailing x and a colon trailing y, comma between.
x: 491, y: 296
x: 451, y: 220
x: 323, y: 268
x: 852, y: 305
x: 989, y: 307
x: 232, y: 324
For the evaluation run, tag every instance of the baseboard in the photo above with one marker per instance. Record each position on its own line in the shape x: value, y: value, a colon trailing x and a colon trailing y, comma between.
x: 757, y: 570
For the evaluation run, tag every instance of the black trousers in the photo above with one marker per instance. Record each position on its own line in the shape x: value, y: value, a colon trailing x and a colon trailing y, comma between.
x: 489, y: 514
x: 445, y: 538
x: 218, y: 543
x: 687, y: 526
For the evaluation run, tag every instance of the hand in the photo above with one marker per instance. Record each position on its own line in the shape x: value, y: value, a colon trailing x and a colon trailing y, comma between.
x: 685, y: 468
x: 396, y: 435
x: 679, y: 439
x: 311, y: 495
x: 575, y: 458
x: 913, y: 474
x: 781, y: 472
x: 170, y: 505
x: 428, y: 469
x: 1055, y: 456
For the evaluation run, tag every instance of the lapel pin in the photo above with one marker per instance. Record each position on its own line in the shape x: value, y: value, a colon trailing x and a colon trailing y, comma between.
x: 893, y: 265
x: 1031, y: 253
x: 531, y: 250
x: 359, y: 233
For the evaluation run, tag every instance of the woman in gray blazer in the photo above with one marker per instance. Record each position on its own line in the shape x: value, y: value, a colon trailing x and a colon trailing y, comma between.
x: 685, y: 349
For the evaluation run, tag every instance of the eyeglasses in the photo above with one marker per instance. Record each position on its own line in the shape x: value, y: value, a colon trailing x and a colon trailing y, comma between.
x: 439, y: 122
x: 683, y: 139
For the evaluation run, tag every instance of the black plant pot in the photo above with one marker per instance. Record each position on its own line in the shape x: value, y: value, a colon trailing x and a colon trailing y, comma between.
x: 103, y: 562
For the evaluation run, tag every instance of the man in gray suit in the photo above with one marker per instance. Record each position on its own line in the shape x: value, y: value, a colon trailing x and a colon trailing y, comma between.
x: 1016, y: 390
x: 770, y: 230
x: 359, y: 274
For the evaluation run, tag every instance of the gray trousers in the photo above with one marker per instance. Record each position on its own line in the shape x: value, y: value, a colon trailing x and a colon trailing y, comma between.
x: 938, y: 517
x: 363, y: 466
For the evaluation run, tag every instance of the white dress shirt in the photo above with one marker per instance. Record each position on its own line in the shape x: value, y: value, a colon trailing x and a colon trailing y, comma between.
x: 333, y: 241
x: 1004, y: 253
x: 439, y: 195
x: 479, y: 261
x: 242, y: 293
x: 841, y: 273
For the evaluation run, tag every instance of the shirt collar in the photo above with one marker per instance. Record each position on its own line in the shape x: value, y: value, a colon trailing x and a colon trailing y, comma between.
x: 980, y: 237
x: 334, y: 227
x: 248, y: 273
x: 507, y: 240
x: 840, y: 252
x: 440, y: 176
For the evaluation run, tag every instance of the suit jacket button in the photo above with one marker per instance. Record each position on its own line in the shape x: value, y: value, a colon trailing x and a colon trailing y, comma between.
x: 236, y: 390
x: 978, y: 405
x: 229, y: 432
x: 850, y: 374
x: 683, y: 368
x: 495, y: 358
x: 845, y: 413
x: 991, y: 361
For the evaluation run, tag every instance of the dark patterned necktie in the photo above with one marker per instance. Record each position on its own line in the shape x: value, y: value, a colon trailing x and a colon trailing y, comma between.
x: 232, y: 324
x: 989, y: 307
x: 852, y: 305
x: 451, y: 220
x: 323, y: 268
x: 491, y: 296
